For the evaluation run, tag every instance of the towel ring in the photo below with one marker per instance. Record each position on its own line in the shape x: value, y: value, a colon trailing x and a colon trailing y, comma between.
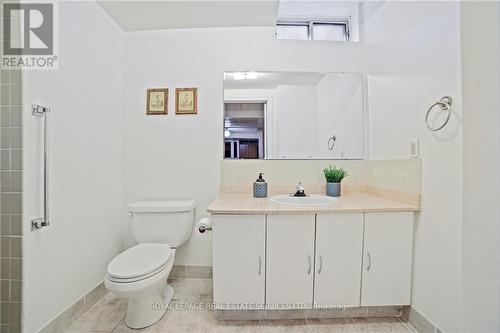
x: 445, y: 105
x: 331, y: 142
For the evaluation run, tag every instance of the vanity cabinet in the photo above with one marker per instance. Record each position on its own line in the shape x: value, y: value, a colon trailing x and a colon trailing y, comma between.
x: 290, y: 260
x: 387, y: 266
x: 339, y: 239
x: 239, y: 248
x: 315, y: 261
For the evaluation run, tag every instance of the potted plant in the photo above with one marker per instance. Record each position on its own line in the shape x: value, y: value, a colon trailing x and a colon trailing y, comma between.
x: 334, y: 177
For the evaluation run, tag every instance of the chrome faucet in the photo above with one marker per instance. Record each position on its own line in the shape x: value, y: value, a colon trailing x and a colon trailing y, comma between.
x: 299, y: 191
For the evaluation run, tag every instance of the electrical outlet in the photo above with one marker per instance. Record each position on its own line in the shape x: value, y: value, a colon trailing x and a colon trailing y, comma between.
x: 414, y: 148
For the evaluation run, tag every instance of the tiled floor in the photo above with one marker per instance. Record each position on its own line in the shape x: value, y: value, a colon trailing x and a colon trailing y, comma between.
x: 107, y: 316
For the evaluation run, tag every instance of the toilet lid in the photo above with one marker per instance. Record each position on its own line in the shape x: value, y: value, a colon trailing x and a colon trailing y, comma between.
x: 139, y: 260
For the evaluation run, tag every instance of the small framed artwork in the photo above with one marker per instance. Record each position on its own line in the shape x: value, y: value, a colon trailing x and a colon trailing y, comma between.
x: 186, y: 101
x: 157, y: 101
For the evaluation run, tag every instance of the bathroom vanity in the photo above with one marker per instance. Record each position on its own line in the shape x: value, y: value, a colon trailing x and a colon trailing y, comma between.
x: 269, y: 256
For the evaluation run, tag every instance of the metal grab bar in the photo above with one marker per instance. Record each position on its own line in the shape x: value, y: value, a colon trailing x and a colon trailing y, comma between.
x: 42, y: 111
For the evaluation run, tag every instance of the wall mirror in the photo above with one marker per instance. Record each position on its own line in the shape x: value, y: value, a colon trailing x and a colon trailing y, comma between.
x: 293, y: 115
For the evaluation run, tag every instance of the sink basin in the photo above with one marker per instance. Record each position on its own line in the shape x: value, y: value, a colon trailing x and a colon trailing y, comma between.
x: 311, y: 200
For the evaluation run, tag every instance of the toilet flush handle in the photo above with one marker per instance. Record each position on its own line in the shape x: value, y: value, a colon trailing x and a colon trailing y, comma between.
x: 205, y: 224
x: 203, y: 228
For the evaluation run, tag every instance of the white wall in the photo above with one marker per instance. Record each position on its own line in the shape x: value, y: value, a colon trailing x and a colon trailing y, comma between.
x: 398, y: 101
x: 67, y: 259
x: 179, y: 156
x: 297, y: 121
x: 481, y: 238
x: 410, y: 52
x: 340, y: 113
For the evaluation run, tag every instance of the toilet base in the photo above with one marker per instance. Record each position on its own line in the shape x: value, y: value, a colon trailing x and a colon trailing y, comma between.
x: 146, y: 311
x: 168, y: 294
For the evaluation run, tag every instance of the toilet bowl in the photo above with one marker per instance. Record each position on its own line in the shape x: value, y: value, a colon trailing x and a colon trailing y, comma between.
x: 140, y: 273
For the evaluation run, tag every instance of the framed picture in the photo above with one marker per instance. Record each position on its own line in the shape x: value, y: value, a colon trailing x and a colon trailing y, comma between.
x: 157, y: 101
x: 186, y: 101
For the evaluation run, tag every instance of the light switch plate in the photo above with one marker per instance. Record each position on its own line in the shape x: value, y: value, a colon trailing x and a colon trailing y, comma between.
x: 414, y: 148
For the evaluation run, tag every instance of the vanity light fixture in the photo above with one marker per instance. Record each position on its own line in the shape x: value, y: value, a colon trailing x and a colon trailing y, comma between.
x: 245, y: 76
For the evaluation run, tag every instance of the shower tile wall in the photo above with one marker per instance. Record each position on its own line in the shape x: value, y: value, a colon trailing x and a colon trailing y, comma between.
x: 10, y: 200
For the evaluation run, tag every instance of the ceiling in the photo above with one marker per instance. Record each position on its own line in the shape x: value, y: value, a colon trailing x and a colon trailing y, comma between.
x: 317, y: 9
x: 156, y: 15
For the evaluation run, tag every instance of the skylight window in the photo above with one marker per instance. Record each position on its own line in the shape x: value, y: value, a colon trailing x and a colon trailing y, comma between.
x: 292, y: 31
x: 336, y: 31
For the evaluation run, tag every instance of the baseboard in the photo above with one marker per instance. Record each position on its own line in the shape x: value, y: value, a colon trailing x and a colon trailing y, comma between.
x: 419, y: 321
x: 358, y: 312
x: 71, y: 314
x: 191, y: 272
x: 412, y: 316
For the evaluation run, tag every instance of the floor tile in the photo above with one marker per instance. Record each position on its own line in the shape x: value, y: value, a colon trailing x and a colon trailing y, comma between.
x: 155, y: 328
x: 103, y: 316
x: 188, y: 321
x: 236, y: 326
x: 330, y: 325
x: 381, y: 325
x: 409, y: 326
x: 283, y: 326
x: 192, y: 290
x: 108, y: 314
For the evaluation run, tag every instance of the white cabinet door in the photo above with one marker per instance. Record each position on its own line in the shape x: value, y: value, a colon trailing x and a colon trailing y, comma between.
x: 339, y: 253
x: 388, y: 247
x: 290, y: 260
x: 239, y: 260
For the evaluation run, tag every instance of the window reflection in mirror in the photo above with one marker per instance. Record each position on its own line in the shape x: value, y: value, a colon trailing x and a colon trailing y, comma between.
x: 293, y: 115
x: 244, y: 130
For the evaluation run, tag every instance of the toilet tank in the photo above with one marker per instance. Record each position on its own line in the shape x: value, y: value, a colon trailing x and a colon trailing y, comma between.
x: 168, y: 222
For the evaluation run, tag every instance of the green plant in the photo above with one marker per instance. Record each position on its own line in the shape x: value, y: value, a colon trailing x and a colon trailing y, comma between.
x: 334, y: 174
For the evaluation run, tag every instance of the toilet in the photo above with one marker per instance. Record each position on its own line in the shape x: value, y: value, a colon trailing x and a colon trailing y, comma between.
x: 140, y: 273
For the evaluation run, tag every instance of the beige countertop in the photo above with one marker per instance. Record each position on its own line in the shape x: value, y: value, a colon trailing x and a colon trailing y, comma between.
x: 350, y: 202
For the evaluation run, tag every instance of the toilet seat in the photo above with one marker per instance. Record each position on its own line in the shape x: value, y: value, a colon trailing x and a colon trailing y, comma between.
x: 138, y: 278
x: 139, y: 262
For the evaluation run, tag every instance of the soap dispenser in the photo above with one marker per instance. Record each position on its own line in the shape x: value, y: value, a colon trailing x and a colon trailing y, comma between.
x: 260, y: 187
